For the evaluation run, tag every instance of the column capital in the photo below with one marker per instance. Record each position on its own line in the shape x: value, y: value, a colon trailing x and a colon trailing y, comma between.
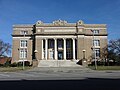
x: 45, y: 38
x: 64, y: 38
x: 55, y: 38
x: 73, y: 38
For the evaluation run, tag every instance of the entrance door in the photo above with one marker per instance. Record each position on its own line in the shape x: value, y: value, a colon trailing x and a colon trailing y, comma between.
x: 51, y: 56
x: 60, y: 55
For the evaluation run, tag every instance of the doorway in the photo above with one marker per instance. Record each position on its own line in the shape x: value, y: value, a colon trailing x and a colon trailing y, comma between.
x: 60, y: 55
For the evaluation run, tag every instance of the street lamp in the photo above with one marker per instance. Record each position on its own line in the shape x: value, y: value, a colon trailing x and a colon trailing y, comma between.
x: 84, y: 61
x: 35, y: 54
x: 94, y: 49
x: 84, y: 54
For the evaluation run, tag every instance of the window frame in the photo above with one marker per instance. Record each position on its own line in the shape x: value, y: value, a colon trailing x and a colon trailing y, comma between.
x: 22, y: 45
x: 97, y: 53
x: 96, y: 32
x: 23, y: 53
x: 96, y: 42
x: 23, y: 32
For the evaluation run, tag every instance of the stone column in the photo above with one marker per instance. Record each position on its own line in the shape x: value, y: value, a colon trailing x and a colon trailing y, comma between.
x: 46, y: 48
x: 55, y: 48
x: 42, y: 50
x: 64, y: 48
x: 73, y: 48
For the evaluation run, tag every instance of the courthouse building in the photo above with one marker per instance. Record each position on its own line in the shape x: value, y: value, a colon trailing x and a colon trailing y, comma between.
x: 58, y: 42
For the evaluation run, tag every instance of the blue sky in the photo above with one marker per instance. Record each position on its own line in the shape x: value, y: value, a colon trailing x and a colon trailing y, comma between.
x: 30, y: 11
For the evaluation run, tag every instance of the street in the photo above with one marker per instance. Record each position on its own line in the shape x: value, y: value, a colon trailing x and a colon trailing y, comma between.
x: 32, y: 75
x: 60, y: 79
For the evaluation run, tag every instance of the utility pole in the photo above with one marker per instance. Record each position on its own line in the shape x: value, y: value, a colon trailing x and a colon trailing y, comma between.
x: 94, y: 50
x: 24, y: 52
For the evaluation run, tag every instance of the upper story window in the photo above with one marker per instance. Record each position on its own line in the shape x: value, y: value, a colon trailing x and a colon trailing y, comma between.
x: 23, y: 43
x: 23, y: 32
x: 96, y: 42
x: 95, y: 31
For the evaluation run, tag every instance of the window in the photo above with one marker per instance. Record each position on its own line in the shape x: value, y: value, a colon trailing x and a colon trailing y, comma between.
x: 69, y: 54
x: 96, y: 42
x: 60, y: 43
x: 23, y: 32
x: 23, y: 43
x: 51, y: 43
x: 96, y: 31
x: 69, y: 42
x: 23, y: 53
x: 97, y: 52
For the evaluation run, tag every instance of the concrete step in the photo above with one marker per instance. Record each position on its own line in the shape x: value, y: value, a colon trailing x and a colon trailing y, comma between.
x: 58, y: 63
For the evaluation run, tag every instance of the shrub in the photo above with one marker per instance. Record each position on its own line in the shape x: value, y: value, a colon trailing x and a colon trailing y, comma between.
x: 8, y: 63
x: 13, y: 64
x: 26, y: 63
x: 1, y: 65
x: 99, y: 63
x: 19, y: 64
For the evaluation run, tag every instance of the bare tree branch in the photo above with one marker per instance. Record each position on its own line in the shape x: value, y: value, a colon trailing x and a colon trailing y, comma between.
x: 4, y: 48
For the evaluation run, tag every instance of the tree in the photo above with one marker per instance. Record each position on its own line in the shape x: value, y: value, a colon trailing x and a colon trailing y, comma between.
x: 5, y: 48
x: 114, y: 50
x: 104, y: 53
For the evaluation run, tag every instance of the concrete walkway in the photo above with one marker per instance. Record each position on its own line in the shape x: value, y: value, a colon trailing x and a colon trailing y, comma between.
x: 61, y: 69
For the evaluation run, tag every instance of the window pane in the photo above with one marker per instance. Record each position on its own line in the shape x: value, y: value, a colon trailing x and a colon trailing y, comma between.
x: 68, y: 43
x: 23, y: 53
x: 23, y: 32
x: 97, y: 52
x: 96, y: 31
x: 23, y: 43
x: 51, y: 43
x: 60, y: 44
x: 96, y: 42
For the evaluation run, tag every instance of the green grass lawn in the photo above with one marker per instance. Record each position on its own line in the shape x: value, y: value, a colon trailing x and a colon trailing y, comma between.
x: 13, y: 69
x: 105, y: 67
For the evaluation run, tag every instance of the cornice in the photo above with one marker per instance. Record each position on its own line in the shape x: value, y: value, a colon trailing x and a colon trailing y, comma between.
x: 23, y: 25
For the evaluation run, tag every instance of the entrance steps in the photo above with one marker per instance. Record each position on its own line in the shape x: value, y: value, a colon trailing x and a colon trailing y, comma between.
x: 58, y: 63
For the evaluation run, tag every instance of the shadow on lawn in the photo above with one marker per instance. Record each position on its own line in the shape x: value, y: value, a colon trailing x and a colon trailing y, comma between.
x: 85, y: 84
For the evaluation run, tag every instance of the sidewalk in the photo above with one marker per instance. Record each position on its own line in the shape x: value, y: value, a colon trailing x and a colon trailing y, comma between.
x: 61, y: 69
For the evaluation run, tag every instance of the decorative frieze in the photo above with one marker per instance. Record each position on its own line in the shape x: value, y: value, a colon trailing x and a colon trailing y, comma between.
x: 60, y: 30
x: 60, y: 22
x: 57, y: 36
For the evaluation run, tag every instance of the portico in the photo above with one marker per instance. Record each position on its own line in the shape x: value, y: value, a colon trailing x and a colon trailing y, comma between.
x: 58, y: 48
